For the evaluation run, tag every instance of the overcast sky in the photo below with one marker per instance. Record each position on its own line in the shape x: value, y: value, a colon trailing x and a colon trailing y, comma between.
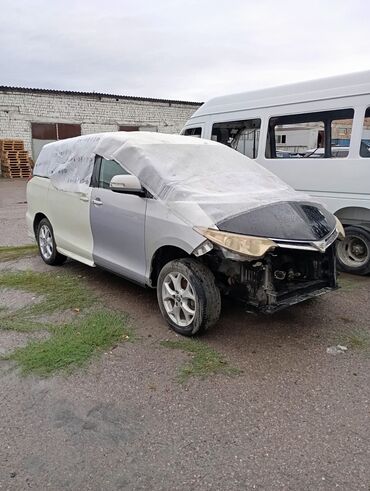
x: 179, y: 49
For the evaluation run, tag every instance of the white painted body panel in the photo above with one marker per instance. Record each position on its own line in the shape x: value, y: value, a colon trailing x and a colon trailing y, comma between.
x: 37, y: 200
x: 68, y: 214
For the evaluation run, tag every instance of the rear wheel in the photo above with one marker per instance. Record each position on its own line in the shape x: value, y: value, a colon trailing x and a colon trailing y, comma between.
x: 188, y: 297
x: 353, y: 252
x: 47, y: 245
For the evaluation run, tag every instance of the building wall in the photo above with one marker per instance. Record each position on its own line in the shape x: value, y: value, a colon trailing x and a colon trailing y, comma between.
x: 95, y: 113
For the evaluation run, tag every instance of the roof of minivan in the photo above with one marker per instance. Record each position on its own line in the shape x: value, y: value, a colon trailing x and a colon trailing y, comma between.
x: 313, y: 90
x: 202, y: 181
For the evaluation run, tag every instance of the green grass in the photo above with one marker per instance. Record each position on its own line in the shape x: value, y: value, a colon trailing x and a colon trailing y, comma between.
x: 16, y: 252
x: 205, y: 361
x: 72, y: 345
x: 358, y: 339
x: 348, y: 283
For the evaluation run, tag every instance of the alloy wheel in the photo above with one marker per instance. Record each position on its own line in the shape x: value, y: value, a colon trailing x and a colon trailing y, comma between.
x: 179, y: 299
x: 46, y: 242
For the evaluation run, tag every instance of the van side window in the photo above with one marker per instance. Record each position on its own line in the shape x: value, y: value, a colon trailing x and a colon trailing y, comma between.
x: 197, y: 132
x: 103, y: 172
x: 365, y: 141
x: 243, y: 136
x: 324, y: 134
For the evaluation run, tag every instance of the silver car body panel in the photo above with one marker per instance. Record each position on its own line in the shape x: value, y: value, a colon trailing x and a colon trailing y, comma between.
x: 118, y: 228
x: 163, y: 228
x: 128, y: 230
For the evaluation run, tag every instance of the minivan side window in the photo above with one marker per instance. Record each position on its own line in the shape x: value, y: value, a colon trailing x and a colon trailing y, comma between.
x: 365, y: 140
x: 325, y: 134
x: 103, y: 172
x: 242, y: 135
x: 197, y: 132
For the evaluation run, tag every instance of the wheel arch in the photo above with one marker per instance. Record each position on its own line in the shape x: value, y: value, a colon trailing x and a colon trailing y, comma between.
x: 37, y: 219
x: 162, y: 256
x: 356, y: 216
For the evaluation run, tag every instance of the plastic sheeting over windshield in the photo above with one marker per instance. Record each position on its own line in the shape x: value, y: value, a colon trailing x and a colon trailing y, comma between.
x: 200, y: 180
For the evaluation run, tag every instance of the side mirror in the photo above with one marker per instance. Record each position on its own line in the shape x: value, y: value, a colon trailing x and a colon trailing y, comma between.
x: 125, y: 183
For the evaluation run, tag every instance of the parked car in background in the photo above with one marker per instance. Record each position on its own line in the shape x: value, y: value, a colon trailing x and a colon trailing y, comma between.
x: 189, y: 217
x: 326, y: 121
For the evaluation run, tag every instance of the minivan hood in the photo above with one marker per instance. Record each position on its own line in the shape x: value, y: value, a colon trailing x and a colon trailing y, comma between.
x: 303, y: 221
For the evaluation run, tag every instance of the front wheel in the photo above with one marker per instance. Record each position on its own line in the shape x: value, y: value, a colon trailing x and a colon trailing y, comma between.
x: 47, y: 246
x: 353, y: 252
x: 188, y: 297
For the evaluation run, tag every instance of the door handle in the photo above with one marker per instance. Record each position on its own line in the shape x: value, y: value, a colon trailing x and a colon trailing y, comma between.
x: 84, y: 198
x: 97, y: 201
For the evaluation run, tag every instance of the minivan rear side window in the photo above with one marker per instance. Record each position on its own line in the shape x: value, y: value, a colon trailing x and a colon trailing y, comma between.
x: 365, y: 140
x: 325, y: 134
x: 241, y: 135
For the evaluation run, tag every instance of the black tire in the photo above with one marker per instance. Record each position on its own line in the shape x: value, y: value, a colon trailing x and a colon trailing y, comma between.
x: 55, y: 258
x: 353, y: 253
x: 207, y: 298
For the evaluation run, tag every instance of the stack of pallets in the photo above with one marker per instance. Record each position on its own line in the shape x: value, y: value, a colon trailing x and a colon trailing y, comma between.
x: 14, y: 159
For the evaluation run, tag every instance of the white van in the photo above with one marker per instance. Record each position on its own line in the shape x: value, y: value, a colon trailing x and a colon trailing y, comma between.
x: 315, y: 136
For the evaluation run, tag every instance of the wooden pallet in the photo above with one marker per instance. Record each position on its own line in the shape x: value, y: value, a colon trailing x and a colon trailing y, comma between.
x: 14, y: 159
x: 11, y: 145
x: 16, y: 163
x: 14, y: 154
x: 15, y: 175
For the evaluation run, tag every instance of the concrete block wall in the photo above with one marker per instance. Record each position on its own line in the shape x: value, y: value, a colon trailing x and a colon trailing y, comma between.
x: 19, y: 108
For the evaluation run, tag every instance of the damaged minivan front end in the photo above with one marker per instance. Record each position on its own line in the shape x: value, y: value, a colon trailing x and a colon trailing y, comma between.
x: 275, y: 271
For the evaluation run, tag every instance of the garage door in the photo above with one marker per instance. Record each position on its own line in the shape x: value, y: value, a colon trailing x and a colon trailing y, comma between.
x: 43, y: 133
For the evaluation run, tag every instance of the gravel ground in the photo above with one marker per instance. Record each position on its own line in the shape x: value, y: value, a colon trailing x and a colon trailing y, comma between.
x: 296, y: 418
x: 12, y: 212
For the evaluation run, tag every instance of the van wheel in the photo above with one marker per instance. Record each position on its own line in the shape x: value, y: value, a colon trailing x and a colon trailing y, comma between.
x: 188, y: 297
x: 47, y: 246
x: 353, y: 252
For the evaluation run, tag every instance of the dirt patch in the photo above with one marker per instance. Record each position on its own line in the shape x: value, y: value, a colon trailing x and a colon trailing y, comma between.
x: 24, y: 264
x: 10, y: 340
x: 11, y: 299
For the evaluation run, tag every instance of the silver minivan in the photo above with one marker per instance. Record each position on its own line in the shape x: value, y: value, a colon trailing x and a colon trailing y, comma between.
x: 192, y: 218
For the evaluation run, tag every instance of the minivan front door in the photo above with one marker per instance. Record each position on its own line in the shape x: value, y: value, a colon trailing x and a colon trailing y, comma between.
x: 117, y: 224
